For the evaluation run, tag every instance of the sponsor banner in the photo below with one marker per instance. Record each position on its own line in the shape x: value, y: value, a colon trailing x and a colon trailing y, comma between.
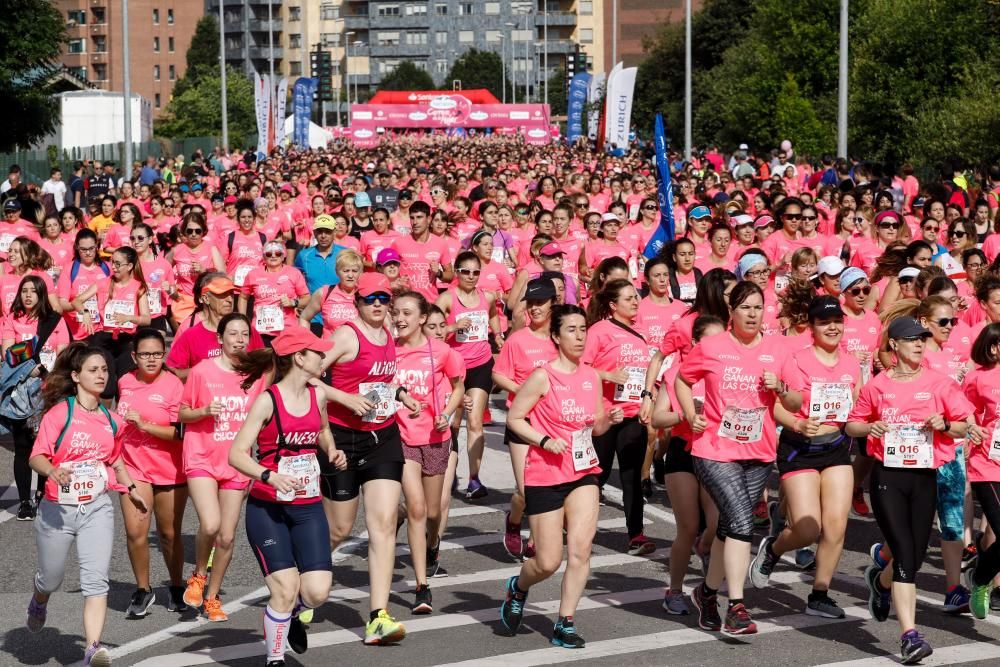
x: 302, y: 99
x: 619, y: 104
x: 446, y: 112
x: 280, y: 101
x: 537, y: 136
x: 262, y: 107
x: 579, y: 88
x: 615, y: 71
x: 594, y: 117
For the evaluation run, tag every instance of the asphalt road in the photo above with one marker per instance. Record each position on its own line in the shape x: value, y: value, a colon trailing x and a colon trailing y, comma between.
x: 620, y: 615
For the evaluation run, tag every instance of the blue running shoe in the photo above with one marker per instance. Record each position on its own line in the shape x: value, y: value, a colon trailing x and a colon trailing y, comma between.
x: 956, y: 601
x: 564, y: 634
x: 512, y: 609
x: 913, y: 647
x: 876, y: 555
x: 879, y: 599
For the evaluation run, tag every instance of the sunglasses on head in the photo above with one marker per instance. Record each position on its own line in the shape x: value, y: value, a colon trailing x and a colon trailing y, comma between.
x: 946, y: 321
x: 379, y: 298
x: 889, y: 225
x: 856, y: 291
x: 194, y: 231
x: 469, y: 272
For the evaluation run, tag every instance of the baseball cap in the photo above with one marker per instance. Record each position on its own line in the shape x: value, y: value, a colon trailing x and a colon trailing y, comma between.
x: 384, y: 172
x: 551, y: 249
x: 287, y: 187
x: 850, y: 276
x: 610, y: 216
x: 217, y: 197
x: 909, y: 272
x: 219, y: 286
x: 918, y: 202
x: 763, y: 220
x: 539, y: 289
x: 362, y: 200
x: 12, y: 205
x: 699, y: 212
x: 373, y: 283
x: 907, y: 327
x: 825, y: 306
x: 740, y: 219
x: 324, y: 221
x: 294, y: 339
x: 387, y: 255
x: 230, y: 200
x: 831, y: 266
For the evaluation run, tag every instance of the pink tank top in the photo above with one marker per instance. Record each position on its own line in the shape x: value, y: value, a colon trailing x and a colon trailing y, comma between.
x: 370, y: 374
x: 567, y: 408
x: 301, y: 439
x: 337, y: 308
x: 473, y: 343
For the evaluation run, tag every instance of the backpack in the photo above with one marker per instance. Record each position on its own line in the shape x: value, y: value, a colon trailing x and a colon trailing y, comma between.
x: 75, y: 270
x: 71, y: 402
x: 232, y: 239
x: 675, y: 287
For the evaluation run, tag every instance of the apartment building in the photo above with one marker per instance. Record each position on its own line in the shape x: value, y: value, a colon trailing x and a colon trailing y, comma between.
x: 636, y: 21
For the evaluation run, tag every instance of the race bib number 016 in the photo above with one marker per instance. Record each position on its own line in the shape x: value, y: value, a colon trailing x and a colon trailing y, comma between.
x: 89, y: 480
x: 830, y: 401
x: 378, y: 393
x: 742, y: 424
x: 478, y: 327
x: 305, y: 469
x: 632, y: 389
x: 908, y: 446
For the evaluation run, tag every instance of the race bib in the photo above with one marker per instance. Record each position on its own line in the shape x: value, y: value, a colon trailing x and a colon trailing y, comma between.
x: 584, y: 454
x: 154, y: 300
x: 90, y: 305
x: 633, y: 267
x: 908, y: 446
x: 118, y: 306
x: 89, y: 480
x: 688, y: 291
x: 497, y: 255
x: 48, y: 358
x: 633, y: 212
x: 379, y: 394
x: 241, y: 275
x: 830, y: 401
x: 270, y: 319
x: 994, y: 451
x: 780, y: 281
x: 478, y: 330
x: 5, y: 241
x: 305, y: 469
x: 742, y: 424
x: 632, y: 389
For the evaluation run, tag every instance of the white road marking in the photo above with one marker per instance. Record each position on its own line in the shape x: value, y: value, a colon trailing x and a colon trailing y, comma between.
x: 943, y: 655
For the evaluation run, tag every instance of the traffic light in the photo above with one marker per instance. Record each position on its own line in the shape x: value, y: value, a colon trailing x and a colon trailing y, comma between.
x: 322, y: 69
x: 572, y: 60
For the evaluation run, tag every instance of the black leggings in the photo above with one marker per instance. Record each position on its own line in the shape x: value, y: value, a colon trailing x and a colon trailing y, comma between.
x: 988, y: 495
x: 904, y: 502
x: 24, y: 439
x: 735, y: 486
x: 117, y: 354
x: 628, y: 441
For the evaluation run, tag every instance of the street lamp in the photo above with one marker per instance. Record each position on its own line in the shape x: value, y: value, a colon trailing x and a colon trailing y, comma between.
x: 538, y: 67
x: 222, y: 77
x: 513, y: 69
x: 347, y: 68
x: 357, y: 45
x: 503, y: 71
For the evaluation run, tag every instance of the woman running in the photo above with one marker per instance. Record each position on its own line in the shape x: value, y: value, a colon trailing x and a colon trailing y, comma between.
x: 363, y: 422
x: 277, y: 290
x: 159, y: 275
x: 285, y: 523
x: 560, y: 409
x: 431, y: 372
x: 214, y: 406
x: 149, y: 404
x: 78, y: 449
x: 814, y: 456
x: 910, y: 415
x: 734, y: 442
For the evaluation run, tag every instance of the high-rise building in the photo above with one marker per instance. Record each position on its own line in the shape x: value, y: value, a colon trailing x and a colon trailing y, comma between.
x: 160, y: 33
x: 637, y: 20
x: 253, y: 30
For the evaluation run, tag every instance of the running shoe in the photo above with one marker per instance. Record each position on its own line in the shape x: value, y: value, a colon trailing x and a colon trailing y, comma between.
x: 859, y: 507
x: 194, y: 594
x: 824, y: 607
x: 659, y: 470
x: 647, y: 488
x: 422, y: 604
x: 306, y: 615
x: 513, y: 543
x: 564, y: 634
x: 879, y: 599
x: 913, y: 647
x: 26, y: 511
x: 708, y: 609
x: 275, y: 663
x: 35, y: 616
x: 433, y: 560
x: 512, y: 609
x: 760, y: 515
x: 956, y: 600
x: 175, y: 600
x: 476, y: 490
x: 763, y: 564
x: 297, y: 638
x: 640, y: 545
x: 878, y: 558
x: 487, y: 416
x: 213, y: 610
x: 738, y: 621
x: 675, y: 604
x: 805, y: 558
x: 777, y: 520
x: 96, y: 656
x: 384, y: 629
x: 995, y: 599
x: 979, y: 598
x: 142, y: 600
x: 970, y: 555
x: 529, y: 549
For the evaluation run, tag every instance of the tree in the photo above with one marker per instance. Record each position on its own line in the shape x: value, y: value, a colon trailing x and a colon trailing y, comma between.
x: 203, y: 53
x: 32, y: 33
x: 407, y: 76
x: 197, y: 112
x: 557, y: 93
x: 480, y: 69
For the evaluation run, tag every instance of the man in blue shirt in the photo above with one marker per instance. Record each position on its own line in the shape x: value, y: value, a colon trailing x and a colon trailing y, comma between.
x: 319, y: 263
x: 149, y: 174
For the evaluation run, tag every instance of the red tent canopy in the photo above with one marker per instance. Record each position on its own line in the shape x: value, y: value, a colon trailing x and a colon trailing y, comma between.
x: 476, y: 96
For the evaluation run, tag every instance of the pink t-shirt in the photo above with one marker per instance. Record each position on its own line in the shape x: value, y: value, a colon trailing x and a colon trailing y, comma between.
x: 472, y: 343
x: 20, y: 329
x: 246, y: 255
x: 609, y: 347
x: 426, y: 372
x: 11, y: 284
x: 779, y: 248
x: 61, y: 253
x: 267, y: 288
x: 89, y: 437
x: 521, y: 354
x: 184, y: 259
x: 803, y: 369
x: 372, y: 243
x: 207, y: 441
x: 196, y: 343
x: 337, y: 308
x: 11, y: 230
x: 416, y: 258
x: 148, y: 458
x: 85, y: 277
x: 158, y: 274
x: 738, y: 409
x: 123, y: 299
x: 982, y: 388
x: 894, y: 402
x: 655, y: 320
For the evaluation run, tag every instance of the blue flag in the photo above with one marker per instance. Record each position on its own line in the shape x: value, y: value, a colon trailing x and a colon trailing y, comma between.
x: 664, y: 234
x: 579, y: 88
x: 302, y: 99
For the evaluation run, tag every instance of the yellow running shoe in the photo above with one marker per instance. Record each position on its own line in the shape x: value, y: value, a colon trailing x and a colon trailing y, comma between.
x: 384, y: 629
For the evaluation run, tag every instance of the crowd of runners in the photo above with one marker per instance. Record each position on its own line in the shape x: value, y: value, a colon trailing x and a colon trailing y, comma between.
x: 283, y: 339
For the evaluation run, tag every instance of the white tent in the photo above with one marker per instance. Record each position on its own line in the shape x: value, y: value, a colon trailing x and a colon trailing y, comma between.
x: 318, y: 137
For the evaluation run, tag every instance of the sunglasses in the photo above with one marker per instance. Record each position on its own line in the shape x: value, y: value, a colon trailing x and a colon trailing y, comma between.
x: 958, y: 234
x: 274, y: 253
x: 907, y: 280
x: 932, y: 229
x: 470, y: 272
x: 379, y: 298
x: 437, y: 192
x: 138, y: 239
x: 889, y: 225
x: 856, y: 291
x: 810, y: 217
x: 792, y: 216
x: 912, y: 339
x: 648, y: 208
x: 194, y: 231
x: 946, y: 321
x: 582, y: 204
x: 859, y: 218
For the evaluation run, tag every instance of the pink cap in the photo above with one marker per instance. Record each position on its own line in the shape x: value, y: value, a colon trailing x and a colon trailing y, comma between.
x: 294, y: 339
x: 230, y: 200
x: 286, y: 187
x: 387, y: 255
x: 373, y: 283
x: 551, y: 249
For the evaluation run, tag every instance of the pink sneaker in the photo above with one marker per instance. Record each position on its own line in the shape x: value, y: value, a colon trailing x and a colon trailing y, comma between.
x: 513, y: 543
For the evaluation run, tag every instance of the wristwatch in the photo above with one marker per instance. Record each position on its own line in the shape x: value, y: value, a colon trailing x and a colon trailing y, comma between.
x: 947, y: 426
x: 264, y: 476
x: 644, y: 393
